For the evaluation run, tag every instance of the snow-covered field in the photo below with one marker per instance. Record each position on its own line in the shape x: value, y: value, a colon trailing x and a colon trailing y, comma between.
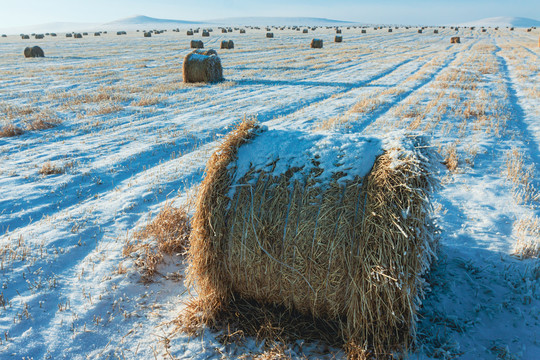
x: 128, y: 136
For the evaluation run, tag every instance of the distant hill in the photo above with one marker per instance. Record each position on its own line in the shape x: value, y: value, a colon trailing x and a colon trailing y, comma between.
x: 146, y: 20
x: 502, y: 21
x: 278, y: 21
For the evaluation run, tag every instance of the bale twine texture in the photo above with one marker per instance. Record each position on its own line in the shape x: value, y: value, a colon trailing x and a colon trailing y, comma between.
x: 345, y: 243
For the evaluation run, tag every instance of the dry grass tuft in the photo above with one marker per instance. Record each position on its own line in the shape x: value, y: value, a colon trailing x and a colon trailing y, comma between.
x: 10, y: 130
x: 50, y: 169
x: 41, y: 124
x: 169, y: 234
x: 451, y: 158
x: 527, y: 232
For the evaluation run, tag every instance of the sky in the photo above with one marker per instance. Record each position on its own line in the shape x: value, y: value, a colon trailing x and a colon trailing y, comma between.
x: 15, y: 13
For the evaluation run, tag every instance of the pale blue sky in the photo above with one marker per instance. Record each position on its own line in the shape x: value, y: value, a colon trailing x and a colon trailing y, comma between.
x: 30, y: 12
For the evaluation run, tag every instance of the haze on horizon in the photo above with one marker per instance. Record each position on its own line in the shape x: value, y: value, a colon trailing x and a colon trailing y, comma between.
x: 33, y: 12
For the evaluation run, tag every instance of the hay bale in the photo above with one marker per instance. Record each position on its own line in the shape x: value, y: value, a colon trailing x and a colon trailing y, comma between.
x: 147, y: 34
x: 455, y: 40
x: 205, y: 33
x: 227, y: 44
x: 4, y: 35
x: 363, y: 31
x: 305, y: 31
x: 316, y: 44
x: 197, y: 44
x: 121, y: 33
x: 77, y: 36
x: 39, y: 36
x: 97, y: 34
x: 68, y: 35
x: 338, y: 31
x: 389, y: 30
x: 419, y: 31
x: 242, y: 31
x: 435, y: 31
x: 223, y: 31
x: 202, y: 66
x: 269, y: 35
x: 484, y: 30
x: 25, y: 37
x: 32, y: 52
x: 338, y: 38
x: 284, y: 225
x: 189, y: 33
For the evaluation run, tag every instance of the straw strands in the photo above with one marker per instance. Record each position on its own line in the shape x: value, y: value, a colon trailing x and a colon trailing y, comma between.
x: 344, y: 245
x: 202, y: 66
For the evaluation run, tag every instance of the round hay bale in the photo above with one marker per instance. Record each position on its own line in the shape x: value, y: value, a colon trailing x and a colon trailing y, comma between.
x: 316, y: 44
x: 202, y: 66
x: 435, y: 31
x: 121, y: 33
x: 77, y: 36
x: 68, y: 35
x: 242, y: 31
x: 338, y: 31
x: 484, y: 30
x: 334, y: 226
x: 25, y: 37
x: 223, y: 31
x: 269, y: 35
x: 39, y: 36
x: 338, y: 38
x: 363, y: 31
x: 189, y: 33
x: 455, y: 40
x: 389, y: 30
x: 205, y: 33
x: 197, y: 44
x: 227, y: 44
x: 97, y: 34
x: 305, y: 31
x: 4, y: 35
x: 419, y: 31
x: 147, y: 34
x: 32, y: 52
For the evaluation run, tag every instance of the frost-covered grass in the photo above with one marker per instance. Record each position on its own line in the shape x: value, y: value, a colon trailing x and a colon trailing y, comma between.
x: 102, y: 133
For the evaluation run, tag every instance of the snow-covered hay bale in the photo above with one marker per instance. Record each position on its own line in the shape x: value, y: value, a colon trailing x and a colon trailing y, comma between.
x: 202, y: 66
x: 242, y: 31
x: 363, y: 31
x: 419, y: 31
x: 32, y: 52
x: 338, y: 38
x: 334, y: 226
x: 227, y: 44
x: 77, y: 36
x: 68, y: 35
x: 25, y: 37
x: 269, y: 35
x: 205, y: 33
x: 189, y: 33
x: 316, y: 44
x: 435, y: 31
x: 338, y: 31
x: 305, y: 31
x: 197, y: 44
x: 390, y: 30
x: 455, y: 40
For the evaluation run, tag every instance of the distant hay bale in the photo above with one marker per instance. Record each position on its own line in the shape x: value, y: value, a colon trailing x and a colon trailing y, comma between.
x: 484, y: 30
x: 202, y: 66
x: 389, y: 30
x: 189, y: 32
x: 455, y: 40
x: 435, y: 31
x: 39, y: 36
x: 227, y: 44
x: 197, y: 44
x: 363, y: 31
x: 4, y: 35
x: 316, y: 44
x: 305, y: 31
x: 205, y: 33
x: 32, y: 52
x: 269, y: 35
x: 338, y: 38
x: 334, y: 226
x: 147, y: 34
x: 25, y: 37
x: 419, y: 31
x: 511, y: 29
x: 97, y: 34
x: 121, y: 33
x: 223, y: 31
x: 77, y: 36
x: 338, y: 31
x: 242, y: 31
x: 68, y: 35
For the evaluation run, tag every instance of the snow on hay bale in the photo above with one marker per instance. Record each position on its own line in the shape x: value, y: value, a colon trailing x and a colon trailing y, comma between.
x: 316, y: 44
x: 338, y: 38
x: 202, y: 66
x: 455, y: 40
x: 227, y: 44
x: 333, y: 226
x: 33, y: 52
x: 197, y: 44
